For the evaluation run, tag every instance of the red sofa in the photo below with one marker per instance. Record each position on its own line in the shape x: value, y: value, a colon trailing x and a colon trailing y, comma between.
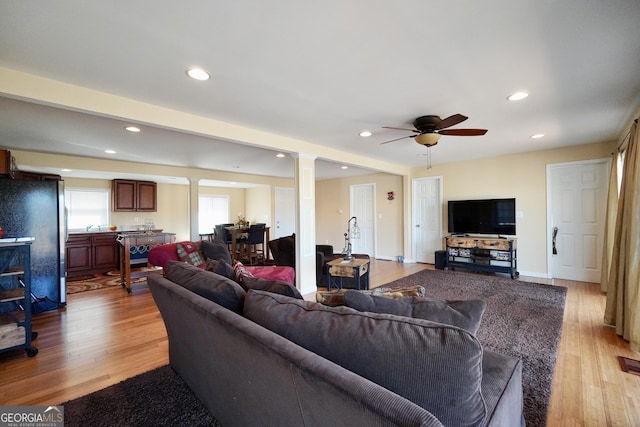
x: 161, y: 255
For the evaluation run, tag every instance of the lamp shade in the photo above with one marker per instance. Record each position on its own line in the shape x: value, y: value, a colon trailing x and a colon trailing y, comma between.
x: 428, y: 139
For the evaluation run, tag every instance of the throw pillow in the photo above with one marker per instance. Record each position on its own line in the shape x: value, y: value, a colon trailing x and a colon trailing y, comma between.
x: 189, y: 252
x: 240, y: 271
x: 216, y: 250
x: 436, y: 366
x: 275, y: 286
x: 225, y: 270
x: 463, y: 314
x: 214, y: 287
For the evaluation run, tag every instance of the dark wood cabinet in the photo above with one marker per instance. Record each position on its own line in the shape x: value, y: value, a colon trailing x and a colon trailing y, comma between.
x: 78, y: 257
x: 90, y: 253
x: 134, y: 196
x: 105, y: 251
x: 7, y: 164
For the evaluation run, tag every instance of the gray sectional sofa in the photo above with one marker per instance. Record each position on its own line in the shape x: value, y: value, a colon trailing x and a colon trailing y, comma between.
x: 266, y: 357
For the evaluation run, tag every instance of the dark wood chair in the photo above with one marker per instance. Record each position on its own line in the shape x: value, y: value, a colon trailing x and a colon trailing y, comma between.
x: 255, y: 242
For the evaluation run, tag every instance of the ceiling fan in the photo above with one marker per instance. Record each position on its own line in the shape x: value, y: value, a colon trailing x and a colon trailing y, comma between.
x: 428, y: 129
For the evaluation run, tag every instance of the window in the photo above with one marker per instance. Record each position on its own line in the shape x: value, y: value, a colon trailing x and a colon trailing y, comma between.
x: 213, y: 209
x: 620, y: 169
x: 86, y: 207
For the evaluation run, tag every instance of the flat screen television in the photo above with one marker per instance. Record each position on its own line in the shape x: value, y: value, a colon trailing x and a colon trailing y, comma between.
x: 488, y: 216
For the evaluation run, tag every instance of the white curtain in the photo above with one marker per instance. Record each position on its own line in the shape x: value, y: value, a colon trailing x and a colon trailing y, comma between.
x: 623, y: 289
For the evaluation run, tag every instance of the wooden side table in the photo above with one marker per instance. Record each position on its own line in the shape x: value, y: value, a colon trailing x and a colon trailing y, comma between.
x: 356, y: 268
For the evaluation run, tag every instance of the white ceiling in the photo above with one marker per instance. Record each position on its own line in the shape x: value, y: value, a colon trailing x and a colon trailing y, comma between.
x: 320, y: 73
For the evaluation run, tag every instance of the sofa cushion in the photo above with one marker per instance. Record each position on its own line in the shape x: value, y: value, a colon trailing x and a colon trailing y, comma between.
x: 282, y: 273
x: 212, y: 286
x: 189, y: 252
x: 463, y: 314
x: 216, y: 250
x: 275, y: 286
x: 436, y: 366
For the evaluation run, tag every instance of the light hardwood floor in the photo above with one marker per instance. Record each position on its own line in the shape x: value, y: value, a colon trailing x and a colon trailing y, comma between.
x: 106, y: 336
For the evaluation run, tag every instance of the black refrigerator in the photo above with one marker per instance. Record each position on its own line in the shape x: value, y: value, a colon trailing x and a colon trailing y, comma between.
x: 30, y: 208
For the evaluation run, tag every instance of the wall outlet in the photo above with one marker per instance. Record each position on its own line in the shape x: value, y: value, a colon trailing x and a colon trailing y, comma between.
x: 135, y: 219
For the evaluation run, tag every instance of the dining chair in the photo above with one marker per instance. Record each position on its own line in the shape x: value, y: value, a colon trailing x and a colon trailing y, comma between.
x: 255, y: 242
x: 223, y: 234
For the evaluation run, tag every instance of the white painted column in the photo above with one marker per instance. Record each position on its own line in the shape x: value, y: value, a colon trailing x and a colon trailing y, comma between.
x: 305, y: 188
x: 194, y: 194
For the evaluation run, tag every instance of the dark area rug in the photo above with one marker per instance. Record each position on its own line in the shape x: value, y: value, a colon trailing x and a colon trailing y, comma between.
x: 522, y: 319
x: 155, y: 398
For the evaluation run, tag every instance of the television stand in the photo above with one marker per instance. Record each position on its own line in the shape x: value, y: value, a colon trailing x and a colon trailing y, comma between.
x: 498, y: 255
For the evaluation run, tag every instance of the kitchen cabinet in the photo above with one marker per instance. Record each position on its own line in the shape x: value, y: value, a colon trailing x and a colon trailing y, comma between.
x: 91, y: 253
x: 7, y: 164
x: 134, y: 196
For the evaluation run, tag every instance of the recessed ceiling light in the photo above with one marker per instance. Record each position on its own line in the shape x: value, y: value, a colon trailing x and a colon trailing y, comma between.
x: 280, y: 155
x: 365, y: 133
x: 518, y: 96
x: 109, y: 151
x: 344, y: 167
x: 132, y: 129
x: 65, y: 170
x: 198, y: 74
x: 537, y: 136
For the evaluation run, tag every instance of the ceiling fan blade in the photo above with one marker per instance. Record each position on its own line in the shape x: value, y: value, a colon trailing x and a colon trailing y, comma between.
x: 463, y: 132
x: 451, y: 121
x: 391, y: 127
x: 398, y: 139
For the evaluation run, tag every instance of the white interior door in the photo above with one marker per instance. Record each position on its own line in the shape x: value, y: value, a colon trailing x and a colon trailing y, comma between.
x: 427, y: 219
x: 578, y: 198
x: 363, y: 208
x: 285, y: 212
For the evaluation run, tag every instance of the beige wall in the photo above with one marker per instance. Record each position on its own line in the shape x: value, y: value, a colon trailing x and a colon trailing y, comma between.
x: 332, y: 212
x: 258, y: 202
x: 172, y: 215
x: 173, y: 199
x: 522, y: 176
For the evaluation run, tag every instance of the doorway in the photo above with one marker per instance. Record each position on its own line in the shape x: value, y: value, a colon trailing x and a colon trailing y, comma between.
x: 577, y: 199
x: 285, y: 212
x: 363, y: 207
x: 427, y: 218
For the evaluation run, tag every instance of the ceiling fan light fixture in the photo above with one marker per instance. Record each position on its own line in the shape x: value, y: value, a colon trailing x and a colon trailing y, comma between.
x: 365, y: 133
x: 427, y: 139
